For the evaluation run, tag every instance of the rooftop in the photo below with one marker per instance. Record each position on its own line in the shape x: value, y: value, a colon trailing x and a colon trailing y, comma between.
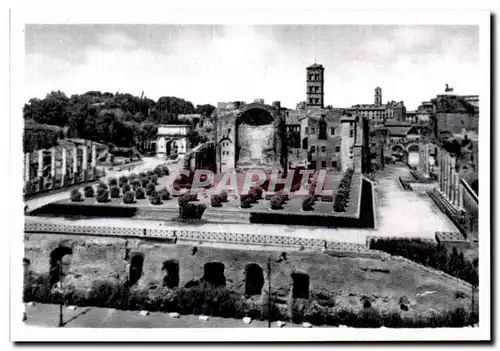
x: 315, y: 65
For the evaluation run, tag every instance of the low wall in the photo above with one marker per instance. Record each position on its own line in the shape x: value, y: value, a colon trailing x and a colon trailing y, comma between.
x: 189, y: 235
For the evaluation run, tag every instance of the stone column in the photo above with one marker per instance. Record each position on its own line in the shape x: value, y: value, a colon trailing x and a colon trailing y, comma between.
x: 453, y: 180
x: 85, y: 163
x: 64, y: 165
x: 460, y: 196
x: 27, y: 167
x: 40, y: 163
x: 93, y: 162
x: 440, y: 171
x: 445, y: 175
x: 53, y: 167
x: 457, y: 189
x: 85, y: 158
x: 53, y: 163
x: 94, y: 156
x: 75, y: 159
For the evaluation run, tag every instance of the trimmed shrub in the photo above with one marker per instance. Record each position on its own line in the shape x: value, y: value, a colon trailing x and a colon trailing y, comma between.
x: 102, y: 195
x: 223, y: 196
x: 277, y: 202
x: 102, y: 185
x: 155, y: 198
x: 308, y: 203
x: 149, y: 173
x: 142, y: 175
x: 88, y: 191
x: 140, y: 194
x: 186, y: 198
x: 114, y: 192
x: 144, y: 181
x: 192, y: 211
x: 215, y: 200
x: 122, y: 180
x: 164, y: 194
x: 256, y: 193
x: 246, y: 201
x: 150, y: 187
x: 76, y: 195
x: 158, y: 171
x: 129, y: 197
x: 154, y: 179
x: 135, y: 183
x: 112, y: 182
x: 126, y: 188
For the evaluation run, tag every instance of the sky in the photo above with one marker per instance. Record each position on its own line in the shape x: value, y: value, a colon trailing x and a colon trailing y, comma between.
x: 212, y: 63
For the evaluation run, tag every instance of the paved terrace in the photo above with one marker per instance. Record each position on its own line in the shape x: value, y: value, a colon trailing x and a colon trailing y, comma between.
x: 399, y: 213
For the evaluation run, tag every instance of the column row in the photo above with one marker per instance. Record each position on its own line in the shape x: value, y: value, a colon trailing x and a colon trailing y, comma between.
x: 29, y: 177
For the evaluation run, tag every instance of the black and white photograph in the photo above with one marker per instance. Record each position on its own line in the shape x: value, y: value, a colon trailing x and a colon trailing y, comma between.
x: 311, y: 180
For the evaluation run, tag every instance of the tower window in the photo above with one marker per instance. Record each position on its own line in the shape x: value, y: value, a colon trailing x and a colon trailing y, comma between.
x: 313, y: 149
x: 310, y: 100
x: 332, y: 131
x: 337, y: 148
x: 351, y: 133
x: 323, y: 149
x: 316, y: 100
x: 310, y: 77
x: 334, y: 164
x: 313, y: 131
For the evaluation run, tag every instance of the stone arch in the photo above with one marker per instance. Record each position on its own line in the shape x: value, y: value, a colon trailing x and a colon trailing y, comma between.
x: 213, y: 273
x: 135, y: 268
x: 300, y: 287
x: 171, y: 278
x: 254, y: 279
x: 268, y: 121
x: 55, y: 262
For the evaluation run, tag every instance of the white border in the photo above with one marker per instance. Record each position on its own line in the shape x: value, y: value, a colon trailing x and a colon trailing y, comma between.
x: 209, y: 14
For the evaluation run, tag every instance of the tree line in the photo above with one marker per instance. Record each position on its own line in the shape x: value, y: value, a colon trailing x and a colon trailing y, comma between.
x: 120, y: 119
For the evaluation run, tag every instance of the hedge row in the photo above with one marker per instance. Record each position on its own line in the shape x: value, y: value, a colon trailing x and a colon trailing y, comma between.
x: 343, y: 192
x: 432, y: 255
x: 221, y: 302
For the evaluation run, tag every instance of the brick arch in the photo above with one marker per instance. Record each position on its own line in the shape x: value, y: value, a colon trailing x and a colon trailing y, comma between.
x: 258, y: 105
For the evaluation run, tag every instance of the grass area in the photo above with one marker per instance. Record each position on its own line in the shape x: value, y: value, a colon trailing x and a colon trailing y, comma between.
x: 346, y: 279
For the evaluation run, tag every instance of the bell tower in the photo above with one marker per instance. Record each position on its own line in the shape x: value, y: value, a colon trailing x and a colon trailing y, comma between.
x: 315, y: 84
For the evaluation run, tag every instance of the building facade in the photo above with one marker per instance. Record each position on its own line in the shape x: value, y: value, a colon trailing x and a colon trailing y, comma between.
x: 377, y: 113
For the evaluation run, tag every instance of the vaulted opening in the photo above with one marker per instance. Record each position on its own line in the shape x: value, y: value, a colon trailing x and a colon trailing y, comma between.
x: 300, y: 288
x: 56, y: 263
x: 213, y: 273
x: 135, y: 270
x: 171, y: 270
x: 254, y: 279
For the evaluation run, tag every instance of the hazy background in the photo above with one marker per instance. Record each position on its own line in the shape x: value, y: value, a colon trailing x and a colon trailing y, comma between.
x: 211, y: 63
